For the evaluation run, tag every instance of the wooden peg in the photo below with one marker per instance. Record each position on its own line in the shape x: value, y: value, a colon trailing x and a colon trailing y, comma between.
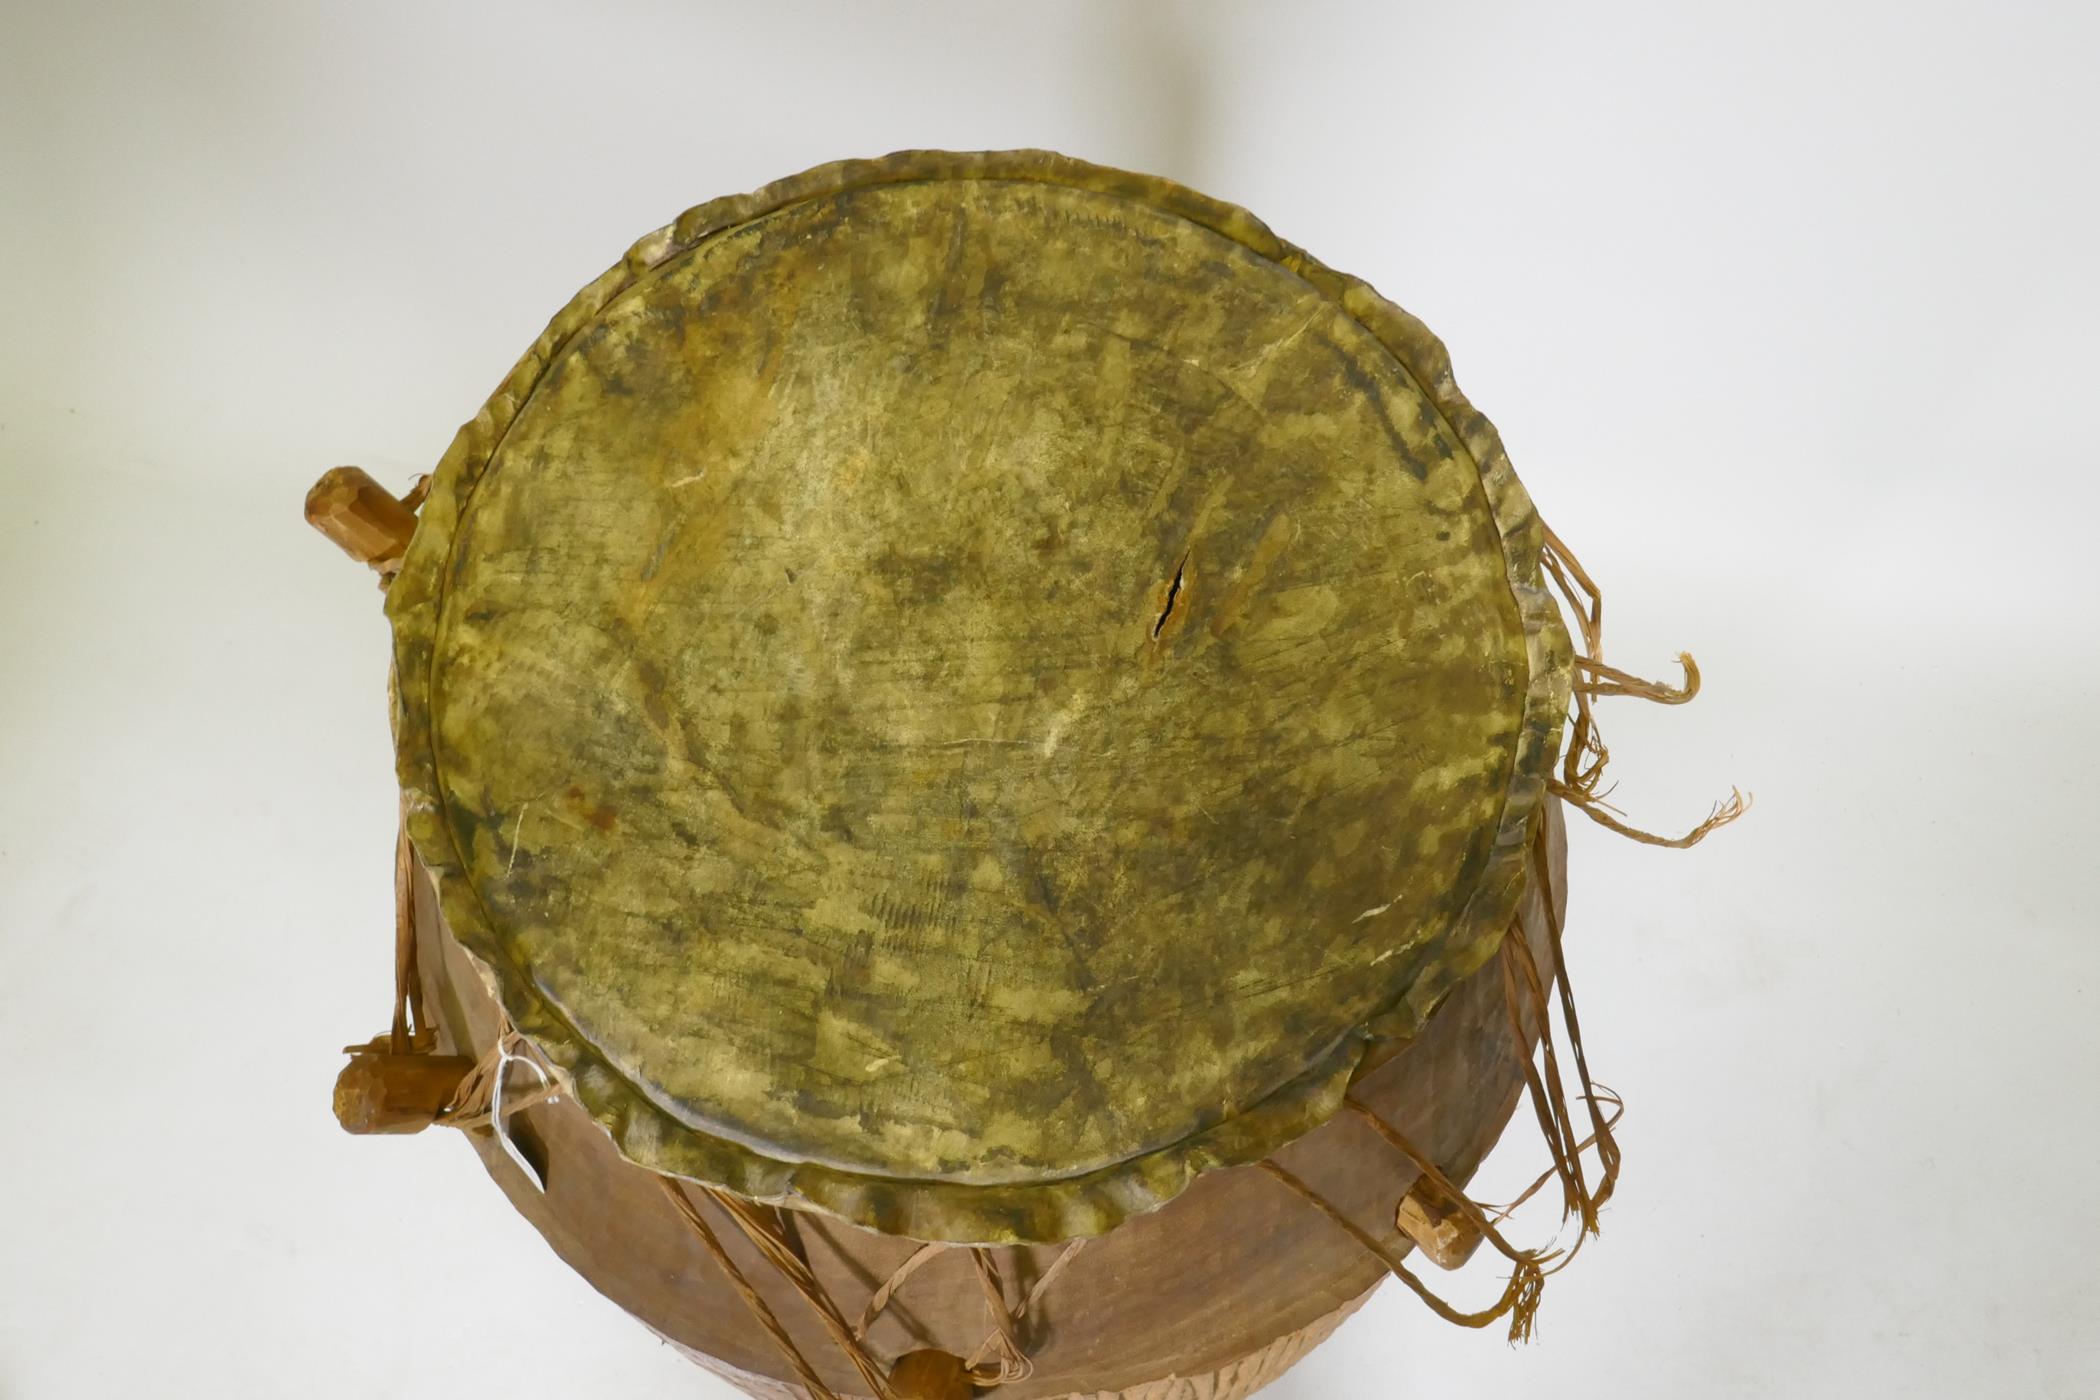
x: 382, y: 1091
x: 361, y: 516
x: 1433, y: 1222
x: 930, y: 1375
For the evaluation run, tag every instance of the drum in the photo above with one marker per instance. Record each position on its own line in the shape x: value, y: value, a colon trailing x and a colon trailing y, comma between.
x: 982, y: 745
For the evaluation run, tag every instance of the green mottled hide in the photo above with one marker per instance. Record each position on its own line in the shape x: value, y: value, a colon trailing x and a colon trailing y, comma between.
x: 968, y: 689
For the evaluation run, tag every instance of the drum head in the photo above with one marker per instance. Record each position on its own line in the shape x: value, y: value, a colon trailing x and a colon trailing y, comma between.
x: 966, y: 688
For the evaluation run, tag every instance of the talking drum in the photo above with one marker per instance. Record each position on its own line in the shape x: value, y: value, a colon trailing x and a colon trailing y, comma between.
x: 982, y: 746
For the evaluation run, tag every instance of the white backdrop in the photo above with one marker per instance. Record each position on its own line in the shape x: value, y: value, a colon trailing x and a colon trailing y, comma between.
x: 1786, y: 312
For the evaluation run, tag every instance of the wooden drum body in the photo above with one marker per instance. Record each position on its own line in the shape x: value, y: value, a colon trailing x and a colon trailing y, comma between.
x: 982, y: 757
x: 1208, y: 1298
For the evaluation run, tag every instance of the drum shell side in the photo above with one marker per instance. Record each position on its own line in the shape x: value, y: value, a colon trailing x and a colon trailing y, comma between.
x: 1232, y: 1281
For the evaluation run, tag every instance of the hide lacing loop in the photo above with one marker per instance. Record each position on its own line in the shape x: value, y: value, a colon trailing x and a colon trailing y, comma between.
x: 1525, y: 998
x: 1581, y: 779
x: 1008, y: 1337
x: 811, y: 1381
x: 411, y: 1030
x: 1520, y: 1298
